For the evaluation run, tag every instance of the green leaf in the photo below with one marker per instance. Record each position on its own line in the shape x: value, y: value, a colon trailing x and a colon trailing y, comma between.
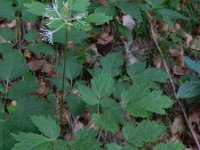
x: 20, y: 120
x: 36, y: 8
x: 87, y: 95
x: 108, y: 10
x: 98, y: 18
x: 138, y: 73
x: 41, y: 48
x: 102, y: 85
x: 146, y: 131
x: 23, y: 89
x: 47, y: 126
x: 30, y: 141
x: 140, y: 101
x: 31, y: 36
x: 189, y: 89
x: 7, y: 34
x: 12, y: 66
x: 131, y: 9
x: 73, y: 67
x: 7, y: 11
x: 75, y: 104
x: 82, y: 35
x: 113, y: 146
x: 169, y: 146
x: 112, y: 62
x: 82, y: 25
x: 79, y: 6
x: 155, y: 3
x: 85, y: 139
x: 106, y: 122
x: 169, y: 16
x: 192, y: 64
x: 58, y: 83
x: 125, y: 31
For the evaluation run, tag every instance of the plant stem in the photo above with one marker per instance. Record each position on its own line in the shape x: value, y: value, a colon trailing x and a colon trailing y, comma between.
x: 63, y: 78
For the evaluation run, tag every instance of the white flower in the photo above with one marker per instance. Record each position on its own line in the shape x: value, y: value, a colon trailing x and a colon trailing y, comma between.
x: 47, y: 35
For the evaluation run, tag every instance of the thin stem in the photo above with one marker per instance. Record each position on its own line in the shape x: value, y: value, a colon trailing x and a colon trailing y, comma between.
x: 172, y: 83
x: 63, y: 78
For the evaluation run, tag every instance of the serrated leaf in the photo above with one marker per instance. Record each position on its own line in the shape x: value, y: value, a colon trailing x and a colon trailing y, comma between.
x: 41, y: 48
x: 192, y: 64
x: 72, y: 35
x: 189, y: 89
x: 23, y: 89
x: 113, y: 146
x: 138, y: 73
x: 73, y: 67
x: 146, y: 131
x: 75, y: 104
x: 106, y: 122
x: 31, y: 35
x: 98, y: 18
x: 82, y: 25
x: 131, y: 9
x: 47, y: 126
x: 155, y: 3
x: 7, y: 34
x: 85, y: 139
x: 12, y: 66
x: 20, y: 120
x: 79, y: 6
x: 87, y: 95
x: 102, y: 85
x: 30, y: 141
x: 140, y: 101
x: 169, y: 146
x: 112, y: 62
x: 36, y: 8
x: 7, y: 11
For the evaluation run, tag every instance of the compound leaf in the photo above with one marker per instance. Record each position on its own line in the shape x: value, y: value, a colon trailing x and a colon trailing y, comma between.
x: 146, y: 131
x: 47, y: 126
x: 169, y: 146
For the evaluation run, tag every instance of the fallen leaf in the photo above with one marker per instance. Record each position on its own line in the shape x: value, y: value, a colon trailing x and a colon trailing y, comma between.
x: 128, y: 22
x: 179, y: 71
x: 177, y: 128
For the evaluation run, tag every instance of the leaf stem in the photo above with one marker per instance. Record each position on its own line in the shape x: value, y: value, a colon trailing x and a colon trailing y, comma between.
x: 63, y: 78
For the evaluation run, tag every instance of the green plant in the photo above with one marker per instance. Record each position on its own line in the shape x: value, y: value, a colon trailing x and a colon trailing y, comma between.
x: 119, y: 98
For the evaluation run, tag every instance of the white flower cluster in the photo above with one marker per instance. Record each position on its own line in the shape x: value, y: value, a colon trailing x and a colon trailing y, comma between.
x: 53, y: 14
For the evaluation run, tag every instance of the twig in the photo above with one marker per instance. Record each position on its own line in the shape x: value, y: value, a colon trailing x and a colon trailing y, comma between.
x: 172, y: 83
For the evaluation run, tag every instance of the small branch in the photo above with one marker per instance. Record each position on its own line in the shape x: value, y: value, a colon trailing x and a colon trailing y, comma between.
x: 172, y: 83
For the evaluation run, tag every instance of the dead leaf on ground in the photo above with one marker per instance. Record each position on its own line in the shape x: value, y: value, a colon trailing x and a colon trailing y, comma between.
x: 157, y: 61
x: 179, y: 71
x: 128, y: 22
x: 37, y: 64
x: 177, y: 128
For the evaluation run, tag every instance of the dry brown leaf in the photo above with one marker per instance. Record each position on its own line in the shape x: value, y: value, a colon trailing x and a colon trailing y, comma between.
x: 105, y: 38
x: 178, y: 55
x: 37, y: 64
x: 179, y: 71
x: 157, y: 61
x: 48, y: 68
x: 188, y: 39
x: 177, y: 128
x: 27, y: 54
